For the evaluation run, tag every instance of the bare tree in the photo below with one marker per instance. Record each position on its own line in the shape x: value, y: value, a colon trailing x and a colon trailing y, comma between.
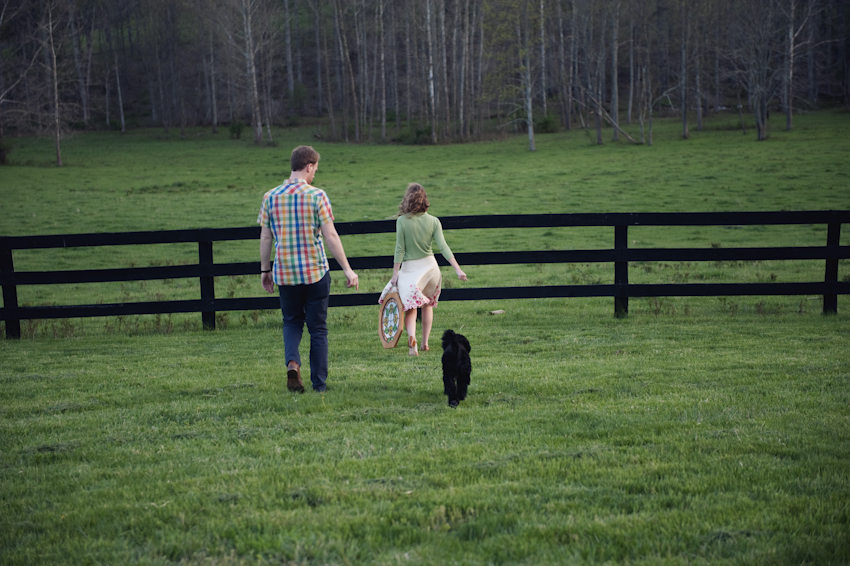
x: 524, y: 33
x: 51, y: 30
x: 753, y: 54
x: 242, y: 21
x: 794, y: 30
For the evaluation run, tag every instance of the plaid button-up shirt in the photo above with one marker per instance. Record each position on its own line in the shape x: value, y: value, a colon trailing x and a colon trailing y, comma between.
x: 295, y: 212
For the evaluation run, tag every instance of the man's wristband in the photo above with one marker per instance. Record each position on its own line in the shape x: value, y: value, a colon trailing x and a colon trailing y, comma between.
x: 265, y: 271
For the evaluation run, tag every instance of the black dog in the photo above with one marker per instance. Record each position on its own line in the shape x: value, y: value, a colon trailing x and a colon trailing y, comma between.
x: 456, y: 366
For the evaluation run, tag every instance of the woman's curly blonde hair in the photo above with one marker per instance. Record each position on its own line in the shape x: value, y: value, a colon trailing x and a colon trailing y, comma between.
x: 415, y: 201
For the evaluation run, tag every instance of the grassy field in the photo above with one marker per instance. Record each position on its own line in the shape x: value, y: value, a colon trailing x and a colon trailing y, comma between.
x: 695, y: 431
x: 145, y: 180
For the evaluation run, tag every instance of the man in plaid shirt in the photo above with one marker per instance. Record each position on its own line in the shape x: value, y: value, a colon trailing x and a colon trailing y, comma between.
x: 295, y: 217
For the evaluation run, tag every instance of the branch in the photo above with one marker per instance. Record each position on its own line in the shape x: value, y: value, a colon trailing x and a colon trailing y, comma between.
x: 610, y: 120
x: 21, y: 76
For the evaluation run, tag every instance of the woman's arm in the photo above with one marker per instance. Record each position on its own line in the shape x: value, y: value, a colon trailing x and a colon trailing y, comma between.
x: 460, y: 274
x: 399, y: 250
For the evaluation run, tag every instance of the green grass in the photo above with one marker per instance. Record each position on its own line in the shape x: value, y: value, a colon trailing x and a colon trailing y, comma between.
x: 697, y: 430
x: 665, y: 439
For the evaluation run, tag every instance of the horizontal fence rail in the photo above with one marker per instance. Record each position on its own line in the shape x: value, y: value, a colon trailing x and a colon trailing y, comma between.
x: 206, y: 270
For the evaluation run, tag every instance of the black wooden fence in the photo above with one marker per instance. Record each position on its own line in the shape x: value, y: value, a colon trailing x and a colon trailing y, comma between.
x: 620, y: 255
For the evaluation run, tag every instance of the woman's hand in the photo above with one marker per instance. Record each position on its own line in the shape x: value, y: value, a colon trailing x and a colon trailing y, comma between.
x: 460, y: 274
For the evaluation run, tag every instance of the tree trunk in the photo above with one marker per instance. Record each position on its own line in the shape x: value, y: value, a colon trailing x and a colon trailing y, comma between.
x: 347, y: 55
x: 717, y: 100
x: 683, y: 79
x: 363, y: 67
x: 431, y: 93
x: 383, y: 73
x: 213, y: 92
x: 572, y: 74
x: 54, y: 83
x: 649, y: 99
x: 543, y: 57
x: 78, y: 64
x: 290, y: 71
x: 251, y: 69
x: 319, y: 93
x: 120, y: 95
x: 479, y: 79
x: 463, y: 125
x: 396, y: 83
x: 164, y: 112
x: 760, y: 106
x: 641, y: 105
x: 810, y: 61
x: 330, y: 97
x: 343, y: 57
x: 741, y: 113
x: 698, y: 93
x: 445, y: 73
x: 562, y: 69
x: 90, y: 47
x: 523, y: 34
x: 631, y: 71
x: 117, y: 78
x: 409, y: 68
x: 267, y: 95
x: 298, y: 59
x: 615, y: 90
x: 789, y: 68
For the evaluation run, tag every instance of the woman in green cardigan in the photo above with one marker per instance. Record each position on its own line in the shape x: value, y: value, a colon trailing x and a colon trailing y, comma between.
x: 415, y: 270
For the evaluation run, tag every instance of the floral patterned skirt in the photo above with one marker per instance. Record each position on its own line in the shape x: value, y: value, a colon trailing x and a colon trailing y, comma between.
x: 419, y: 283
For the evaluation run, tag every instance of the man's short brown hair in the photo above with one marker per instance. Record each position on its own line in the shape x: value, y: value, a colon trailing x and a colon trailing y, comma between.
x: 302, y: 156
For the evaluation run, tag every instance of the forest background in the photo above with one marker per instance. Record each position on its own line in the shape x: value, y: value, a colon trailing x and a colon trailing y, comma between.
x: 414, y: 71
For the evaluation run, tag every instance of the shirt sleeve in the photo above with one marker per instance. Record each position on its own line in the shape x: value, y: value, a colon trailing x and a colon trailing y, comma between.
x: 264, y: 219
x: 441, y: 241
x: 399, y: 241
x: 324, y: 211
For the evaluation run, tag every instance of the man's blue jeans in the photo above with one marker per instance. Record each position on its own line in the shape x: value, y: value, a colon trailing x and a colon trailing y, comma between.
x: 307, y: 303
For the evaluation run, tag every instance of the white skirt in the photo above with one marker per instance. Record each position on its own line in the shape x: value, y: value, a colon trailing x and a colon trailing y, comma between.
x: 419, y: 283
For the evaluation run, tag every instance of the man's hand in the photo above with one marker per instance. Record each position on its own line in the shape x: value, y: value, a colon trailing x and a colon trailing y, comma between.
x: 352, y: 279
x: 268, y: 282
x: 333, y: 242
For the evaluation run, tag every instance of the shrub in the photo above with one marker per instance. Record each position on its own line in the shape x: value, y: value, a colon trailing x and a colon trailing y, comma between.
x: 5, y: 150
x: 236, y: 130
x: 547, y: 125
x: 416, y: 134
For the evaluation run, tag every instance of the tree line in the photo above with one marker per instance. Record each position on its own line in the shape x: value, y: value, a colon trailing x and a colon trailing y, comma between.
x: 416, y: 71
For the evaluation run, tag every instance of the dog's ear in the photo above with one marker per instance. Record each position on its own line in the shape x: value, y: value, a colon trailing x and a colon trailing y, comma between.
x: 464, y: 342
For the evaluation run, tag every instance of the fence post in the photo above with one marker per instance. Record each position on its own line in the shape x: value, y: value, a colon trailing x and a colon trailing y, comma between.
x: 830, y: 302
x: 205, y: 257
x: 621, y: 272
x: 10, y: 297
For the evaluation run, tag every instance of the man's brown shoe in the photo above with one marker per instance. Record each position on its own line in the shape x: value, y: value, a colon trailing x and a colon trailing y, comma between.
x: 293, y: 378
